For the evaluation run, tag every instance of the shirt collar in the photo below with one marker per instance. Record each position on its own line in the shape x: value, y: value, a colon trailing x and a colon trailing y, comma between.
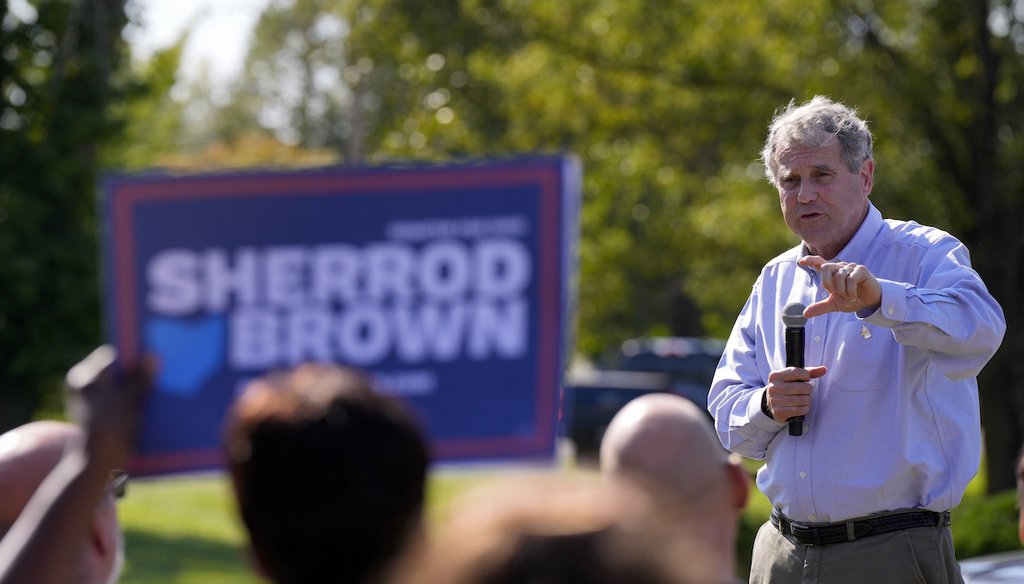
x: 856, y: 250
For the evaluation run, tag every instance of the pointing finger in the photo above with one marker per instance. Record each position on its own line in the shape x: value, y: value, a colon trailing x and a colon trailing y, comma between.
x: 812, y: 261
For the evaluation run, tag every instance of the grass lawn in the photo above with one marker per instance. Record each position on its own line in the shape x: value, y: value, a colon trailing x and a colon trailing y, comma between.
x: 184, y: 529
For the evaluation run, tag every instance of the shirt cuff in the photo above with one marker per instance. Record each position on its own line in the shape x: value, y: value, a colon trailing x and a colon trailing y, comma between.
x: 893, y: 308
x: 757, y: 417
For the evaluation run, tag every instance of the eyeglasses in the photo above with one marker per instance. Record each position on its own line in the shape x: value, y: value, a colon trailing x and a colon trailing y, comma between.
x: 118, y: 483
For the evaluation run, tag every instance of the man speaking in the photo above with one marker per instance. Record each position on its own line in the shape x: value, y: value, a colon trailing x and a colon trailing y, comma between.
x: 898, y: 327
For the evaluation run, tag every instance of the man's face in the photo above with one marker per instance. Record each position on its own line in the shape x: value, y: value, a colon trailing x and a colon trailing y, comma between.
x: 822, y: 201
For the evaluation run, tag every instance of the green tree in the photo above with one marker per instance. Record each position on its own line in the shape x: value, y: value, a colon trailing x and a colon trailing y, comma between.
x: 151, y: 121
x: 58, y: 63
x: 667, y: 126
x: 666, y: 103
x: 292, y: 84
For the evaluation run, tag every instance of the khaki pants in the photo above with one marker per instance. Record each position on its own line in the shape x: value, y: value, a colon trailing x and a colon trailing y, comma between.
x: 922, y: 555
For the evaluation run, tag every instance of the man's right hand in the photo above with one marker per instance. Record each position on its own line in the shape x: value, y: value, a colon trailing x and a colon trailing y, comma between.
x: 789, y: 391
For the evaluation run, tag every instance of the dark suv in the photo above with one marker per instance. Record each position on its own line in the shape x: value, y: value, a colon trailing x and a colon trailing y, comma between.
x: 681, y: 365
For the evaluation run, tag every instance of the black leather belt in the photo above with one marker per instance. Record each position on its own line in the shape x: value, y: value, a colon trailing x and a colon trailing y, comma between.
x: 854, y: 529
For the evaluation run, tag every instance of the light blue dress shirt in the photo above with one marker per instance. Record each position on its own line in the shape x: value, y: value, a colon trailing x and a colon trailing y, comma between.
x: 895, y: 421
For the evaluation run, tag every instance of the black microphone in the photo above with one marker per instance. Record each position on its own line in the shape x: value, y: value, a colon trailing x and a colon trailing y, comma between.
x: 793, y: 319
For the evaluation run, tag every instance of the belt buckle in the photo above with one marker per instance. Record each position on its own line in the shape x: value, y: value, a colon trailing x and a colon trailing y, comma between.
x: 805, y: 534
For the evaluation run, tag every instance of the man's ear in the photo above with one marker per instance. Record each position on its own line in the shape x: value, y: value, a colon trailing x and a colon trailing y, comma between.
x: 738, y: 485
x: 867, y: 175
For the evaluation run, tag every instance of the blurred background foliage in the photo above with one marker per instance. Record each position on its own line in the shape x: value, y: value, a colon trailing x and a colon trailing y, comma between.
x: 665, y: 103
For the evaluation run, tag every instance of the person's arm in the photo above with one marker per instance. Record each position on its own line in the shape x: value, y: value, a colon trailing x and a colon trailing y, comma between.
x: 55, y: 522
x: 736, y: 393
x: 947, y: 311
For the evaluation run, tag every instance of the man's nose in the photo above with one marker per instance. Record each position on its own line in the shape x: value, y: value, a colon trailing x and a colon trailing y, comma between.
x: 807, y: 192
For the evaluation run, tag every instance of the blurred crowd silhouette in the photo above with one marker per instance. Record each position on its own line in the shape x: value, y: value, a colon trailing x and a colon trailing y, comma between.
x: 664, y: 508
x: 662, y: 511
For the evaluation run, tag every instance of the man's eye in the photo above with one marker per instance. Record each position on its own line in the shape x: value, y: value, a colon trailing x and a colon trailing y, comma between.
x: 790, y: 181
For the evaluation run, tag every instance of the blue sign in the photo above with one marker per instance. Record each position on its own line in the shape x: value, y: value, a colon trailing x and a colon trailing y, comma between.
x: 447, y: 283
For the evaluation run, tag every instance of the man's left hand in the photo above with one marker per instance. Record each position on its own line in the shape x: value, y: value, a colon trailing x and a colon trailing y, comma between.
x: 851, y: 287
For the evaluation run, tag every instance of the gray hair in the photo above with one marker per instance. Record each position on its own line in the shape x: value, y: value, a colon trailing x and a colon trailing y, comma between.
x: 812, y: 124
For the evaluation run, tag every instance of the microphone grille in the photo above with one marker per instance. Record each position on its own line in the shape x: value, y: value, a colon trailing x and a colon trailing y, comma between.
x: 793, y: 314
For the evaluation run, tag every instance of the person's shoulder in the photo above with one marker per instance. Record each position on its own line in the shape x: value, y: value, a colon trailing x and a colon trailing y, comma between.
x: 786, y: 258
x: 908, y: 232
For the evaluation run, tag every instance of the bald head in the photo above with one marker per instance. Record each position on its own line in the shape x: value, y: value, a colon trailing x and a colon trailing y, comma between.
x: 665, y: 440
x: 27, y: 454
x: 665, y: 443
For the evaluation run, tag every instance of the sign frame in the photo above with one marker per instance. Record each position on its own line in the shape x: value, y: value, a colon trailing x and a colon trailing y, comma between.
x: 555, y: 179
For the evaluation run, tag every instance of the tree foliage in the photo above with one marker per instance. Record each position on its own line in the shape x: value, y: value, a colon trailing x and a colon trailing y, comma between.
x: 58, y: 62
x: 151, y: 121
x: 293, y: 81
x: 666, y: 104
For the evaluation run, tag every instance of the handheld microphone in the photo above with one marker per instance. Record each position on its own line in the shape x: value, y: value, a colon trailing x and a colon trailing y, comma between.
x: 793, y: 319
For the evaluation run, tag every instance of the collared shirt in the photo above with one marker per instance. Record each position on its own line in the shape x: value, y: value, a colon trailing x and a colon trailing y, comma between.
x: 894, y: 423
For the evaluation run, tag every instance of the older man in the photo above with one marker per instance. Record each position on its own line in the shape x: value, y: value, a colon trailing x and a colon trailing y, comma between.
x: 665, y: 443
x: 898, y: 327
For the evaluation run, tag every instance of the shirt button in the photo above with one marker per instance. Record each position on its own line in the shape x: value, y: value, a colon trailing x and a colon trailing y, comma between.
x: 891, y: 311
x: 817, y: 338
x: 803, y: 475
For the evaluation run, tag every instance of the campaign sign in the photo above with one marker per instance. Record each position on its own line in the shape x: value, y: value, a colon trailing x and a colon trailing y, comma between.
x: 447, y: 283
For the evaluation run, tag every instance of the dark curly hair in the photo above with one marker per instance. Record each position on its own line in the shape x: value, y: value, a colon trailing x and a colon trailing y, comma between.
x: 329, y: 475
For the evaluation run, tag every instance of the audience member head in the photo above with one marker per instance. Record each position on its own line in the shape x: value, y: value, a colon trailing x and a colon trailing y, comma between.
x: 557, y: 529
x: 329, y: 475
x: 666, y: 444
x: 27, y: 455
